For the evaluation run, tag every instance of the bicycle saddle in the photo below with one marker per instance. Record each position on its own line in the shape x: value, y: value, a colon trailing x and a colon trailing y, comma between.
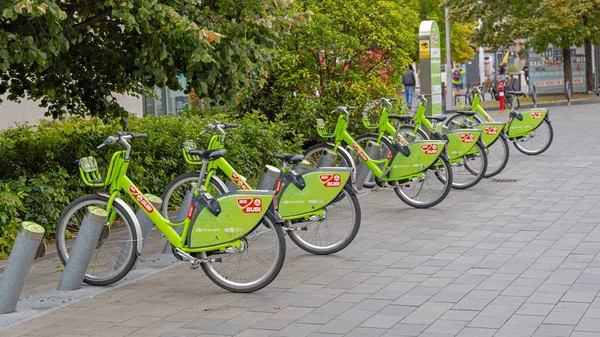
x: 438, y: 118
x: 465, y: 112
x: 208, y: 154
x: 402, y: 118
x: 290, y: 158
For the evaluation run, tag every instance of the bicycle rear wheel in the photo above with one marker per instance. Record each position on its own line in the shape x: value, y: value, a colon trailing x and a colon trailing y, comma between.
x: 255, y: 265
x: 335, y: 231
x: 497, y: 153
x: 470, y: 170
x: 430, y: 190
x: 538, y: 142
x: 115, y: 252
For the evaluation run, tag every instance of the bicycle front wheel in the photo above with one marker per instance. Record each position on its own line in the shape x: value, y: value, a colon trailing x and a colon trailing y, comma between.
x: 314, y: 154
x: 334, y: 231
x: 538, y: 142
x: 429, y: 190
x: 470, y: 169
x: 115, y: 252
x: 174, y: 194
x: 254, y: 265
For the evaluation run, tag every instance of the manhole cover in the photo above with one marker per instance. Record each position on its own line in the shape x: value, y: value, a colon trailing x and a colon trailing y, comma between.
x: 505, y: 180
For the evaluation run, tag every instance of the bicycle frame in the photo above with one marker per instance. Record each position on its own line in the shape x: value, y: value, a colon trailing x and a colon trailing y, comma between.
x: 519, y: 125
x: 221, y: 164
x: 341, y: 135
x: 459, y: 144
x: 119, y: 182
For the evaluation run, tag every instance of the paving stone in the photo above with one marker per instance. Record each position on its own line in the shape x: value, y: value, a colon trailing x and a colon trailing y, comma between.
x: 553, y: 330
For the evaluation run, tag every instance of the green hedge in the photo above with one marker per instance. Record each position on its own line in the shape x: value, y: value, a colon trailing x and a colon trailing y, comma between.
x: 39, y: 177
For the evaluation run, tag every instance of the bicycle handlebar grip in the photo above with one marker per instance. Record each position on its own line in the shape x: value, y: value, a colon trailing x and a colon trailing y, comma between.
x: 351, y: 107
x: 426, y: 95
x: 139, y: 135
x: 392, y: 99
x: 230, y: 126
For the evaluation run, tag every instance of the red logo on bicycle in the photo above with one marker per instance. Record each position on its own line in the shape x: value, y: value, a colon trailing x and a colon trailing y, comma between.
x: 389, y: 155
x: 491, y: 130
x: 536, y: 115
x: 467, y: 138
x: 238, y: 181
x: 331, y: 180
x: 141, y: 199
x: 430, y: 149
x: 250, y: 205
x: 360, y: 153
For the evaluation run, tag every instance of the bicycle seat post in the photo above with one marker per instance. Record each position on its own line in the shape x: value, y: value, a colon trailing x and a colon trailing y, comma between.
x: 202, y: 173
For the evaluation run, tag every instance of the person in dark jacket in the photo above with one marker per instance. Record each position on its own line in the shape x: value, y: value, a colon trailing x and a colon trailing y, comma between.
x: 409, y: 81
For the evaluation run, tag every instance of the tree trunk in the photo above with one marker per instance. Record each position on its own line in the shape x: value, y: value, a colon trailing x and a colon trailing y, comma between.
x: 589, y: 72
x: 567, y: 68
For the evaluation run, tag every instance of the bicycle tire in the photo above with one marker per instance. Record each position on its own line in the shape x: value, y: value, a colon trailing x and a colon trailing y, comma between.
x: 299, y: 239
x: 436, y: 171
x: 344, y: 161
x: 123, y: 263
x: 477, y: 174
x: 227, y: 282
x: 191, y: 177
x: 519, y: 145
x: 461, y: 122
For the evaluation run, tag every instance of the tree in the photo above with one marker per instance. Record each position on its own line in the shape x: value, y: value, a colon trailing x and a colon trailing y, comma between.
x: 351, y: 52
x: 461, y: 33
x: 74, y: 54
x: 563, y: 23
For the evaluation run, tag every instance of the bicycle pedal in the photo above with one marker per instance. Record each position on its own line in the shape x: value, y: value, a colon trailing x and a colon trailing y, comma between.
x: 287, y: 228
x: 195, y: 264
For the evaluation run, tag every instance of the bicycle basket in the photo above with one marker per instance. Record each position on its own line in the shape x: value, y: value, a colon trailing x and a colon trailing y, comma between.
x: 187, y: 146
x: 321, y: 129
x: 88, y: 168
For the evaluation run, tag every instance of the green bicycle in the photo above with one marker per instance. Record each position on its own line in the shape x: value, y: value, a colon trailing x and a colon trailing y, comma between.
x: 419, y: 172
x: 321, y: 211
x: 223, y: 235
x: 466, y: 152
x: 531, y: 131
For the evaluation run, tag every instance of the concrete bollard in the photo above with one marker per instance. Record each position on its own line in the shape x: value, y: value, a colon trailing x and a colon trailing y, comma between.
x: 145, y: 226
x: 79, y: 258
x: 302, y: 167
x: 181, y: 216
x: 327, y: 159
x: 18, y: 265
x: 145, y: 222
x: 373, y: 150
x: 268, y: 179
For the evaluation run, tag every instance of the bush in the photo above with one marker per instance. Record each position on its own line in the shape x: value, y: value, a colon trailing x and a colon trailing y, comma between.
x: 39, y: 176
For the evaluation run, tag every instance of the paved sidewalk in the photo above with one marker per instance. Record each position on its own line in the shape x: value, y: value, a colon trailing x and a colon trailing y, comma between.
x: 516, y: 256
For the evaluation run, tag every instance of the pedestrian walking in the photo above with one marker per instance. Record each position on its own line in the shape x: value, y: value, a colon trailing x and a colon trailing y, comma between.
x: 409, y: 82
x: 457, y: 74
x: 526, y: 72
x: 503, y: 71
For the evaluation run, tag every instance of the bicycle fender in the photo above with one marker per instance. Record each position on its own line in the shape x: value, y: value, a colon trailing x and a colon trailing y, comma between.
x: 136, y: 223
x: 274, y: 215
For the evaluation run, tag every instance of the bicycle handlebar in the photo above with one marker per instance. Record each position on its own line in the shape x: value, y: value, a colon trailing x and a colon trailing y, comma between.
x: 122, y: 138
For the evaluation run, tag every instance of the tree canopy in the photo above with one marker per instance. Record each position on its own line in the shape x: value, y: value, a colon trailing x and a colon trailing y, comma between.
x: 74, y: 54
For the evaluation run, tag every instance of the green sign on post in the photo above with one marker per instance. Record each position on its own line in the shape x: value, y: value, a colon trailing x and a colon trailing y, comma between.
x: 430, y: 65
